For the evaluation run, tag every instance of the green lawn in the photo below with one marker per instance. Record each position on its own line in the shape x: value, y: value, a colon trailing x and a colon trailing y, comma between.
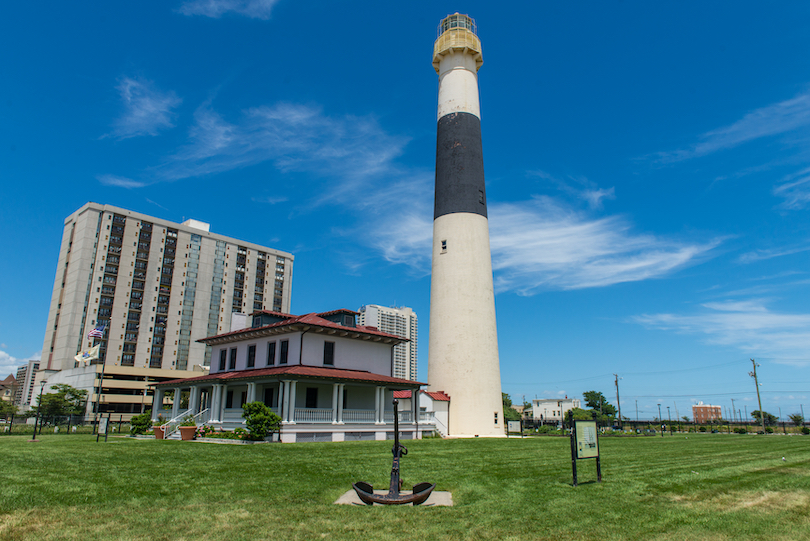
x: 704, y: 487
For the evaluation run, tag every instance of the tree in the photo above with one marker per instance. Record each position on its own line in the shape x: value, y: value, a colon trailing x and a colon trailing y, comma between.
x: 770, y: 419
x: 685, y: 418
x: 796, y: 418
x: 140, y: 424
x: 7, y: 408
x: 597, y: 402
x: 260, y: 420
x: 581, y: 414
x: 509, y: 413
x: 66, y: 400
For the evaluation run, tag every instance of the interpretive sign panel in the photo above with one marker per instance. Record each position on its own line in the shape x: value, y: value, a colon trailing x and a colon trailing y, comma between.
x: 587, y: 442
x: 513, y: 427
x: 584, y: 444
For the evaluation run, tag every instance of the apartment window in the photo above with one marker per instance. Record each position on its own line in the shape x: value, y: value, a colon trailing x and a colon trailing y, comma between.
x: 223, y: 354
x: 229, y: 399
x: 271, y: 353
x: 285, y: 346
x: 251, y: 360
x: 312, y: 397
x: 232, y: 360
x: 329, y: 353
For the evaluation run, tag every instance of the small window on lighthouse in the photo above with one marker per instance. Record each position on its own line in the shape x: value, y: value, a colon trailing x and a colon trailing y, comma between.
x: 496, y: 417
x: 444, y: 246
x: 481, y: 196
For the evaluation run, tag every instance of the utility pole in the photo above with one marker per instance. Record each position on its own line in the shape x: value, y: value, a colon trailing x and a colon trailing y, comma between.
x: 669, y: 418
x: 660, y: 420
x: 618, y: 402
x: 733, y: 411
x: 637, y: 411
x: 753, y: 374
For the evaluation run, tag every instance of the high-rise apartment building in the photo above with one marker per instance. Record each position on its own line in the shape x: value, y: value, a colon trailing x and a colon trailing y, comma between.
x: 26, y: 376
x: 155, y: 287
x: 401, y: 322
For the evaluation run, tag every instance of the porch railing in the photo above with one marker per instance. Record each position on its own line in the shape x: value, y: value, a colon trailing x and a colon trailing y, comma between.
x: 313, y: 415
x: 404, y: 417
x: 358, y: 416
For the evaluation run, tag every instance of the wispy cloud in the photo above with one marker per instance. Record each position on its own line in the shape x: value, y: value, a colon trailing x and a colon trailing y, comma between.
x: 269, y: 200
x: 121, y: 182
x: 578, y: 187
x: 760, y: 255
x: 746, y: 325
x: 771, y: 120
x: 9, y: 364
x: 795, y: 189
x: 147, y: 110
x: 294, y: 137
x: 540, y: 244
x: 255, y: 9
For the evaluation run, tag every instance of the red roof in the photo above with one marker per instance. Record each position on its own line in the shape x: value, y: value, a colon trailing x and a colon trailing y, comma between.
x: 313, y: 319
x: 303, y: 371
x: 435, y: 395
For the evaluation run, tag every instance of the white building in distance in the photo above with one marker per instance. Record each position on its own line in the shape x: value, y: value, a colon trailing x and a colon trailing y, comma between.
x: 552, y: 409
x: 401, y: 321
x: 156, y: 287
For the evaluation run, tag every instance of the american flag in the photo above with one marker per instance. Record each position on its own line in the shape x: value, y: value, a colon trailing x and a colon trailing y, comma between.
x: 98, y: 332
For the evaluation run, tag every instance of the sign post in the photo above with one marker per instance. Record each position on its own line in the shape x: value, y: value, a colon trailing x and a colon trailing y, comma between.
x: 514, y: 426
x: 103, y: 423
x: 584, y: 444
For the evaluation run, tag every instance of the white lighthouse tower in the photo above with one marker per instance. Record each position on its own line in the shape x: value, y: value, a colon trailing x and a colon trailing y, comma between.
x: 463, y: 341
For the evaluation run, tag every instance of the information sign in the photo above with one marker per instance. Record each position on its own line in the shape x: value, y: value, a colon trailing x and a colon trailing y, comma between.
x: 587, y: 442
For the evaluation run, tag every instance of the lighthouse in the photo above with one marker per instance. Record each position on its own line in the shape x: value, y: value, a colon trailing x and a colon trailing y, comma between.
x: 463, y: 342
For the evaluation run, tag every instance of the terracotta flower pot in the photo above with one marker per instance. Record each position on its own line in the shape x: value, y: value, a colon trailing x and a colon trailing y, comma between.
x: 158, y: 432
x: 187, y: 432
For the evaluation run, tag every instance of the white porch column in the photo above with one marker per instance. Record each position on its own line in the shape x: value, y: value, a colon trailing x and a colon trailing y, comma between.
x: 335, y: 390
x: 292, y: 386
x: 157, y: 403
x: 216, y: 398
x: 194, y: 400
x: 176, y: 403
x: 284, y: 401
x: 380, y: 409
x: 223, y: 393
x: 251, y: 393
x: 341, y: 390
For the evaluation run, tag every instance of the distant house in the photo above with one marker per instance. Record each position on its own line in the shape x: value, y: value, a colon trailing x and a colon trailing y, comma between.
x: 7, y: 388
x: 328, y: 379
x: 704, y: 413
x: 552, y: 410
x: 433, y: 405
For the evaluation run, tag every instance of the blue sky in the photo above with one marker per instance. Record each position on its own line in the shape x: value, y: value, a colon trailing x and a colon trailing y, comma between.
x: 647, y: 164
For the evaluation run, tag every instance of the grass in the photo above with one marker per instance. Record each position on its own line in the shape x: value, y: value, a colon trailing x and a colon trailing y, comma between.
x: 704, y: 487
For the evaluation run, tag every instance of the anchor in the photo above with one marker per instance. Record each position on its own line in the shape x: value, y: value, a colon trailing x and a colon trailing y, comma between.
x: 420, y: 492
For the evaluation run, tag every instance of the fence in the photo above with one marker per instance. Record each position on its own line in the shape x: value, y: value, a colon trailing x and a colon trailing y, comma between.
x: 18, y: 425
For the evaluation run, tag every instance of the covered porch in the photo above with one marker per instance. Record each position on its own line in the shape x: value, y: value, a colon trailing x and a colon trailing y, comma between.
x: 311, y: 408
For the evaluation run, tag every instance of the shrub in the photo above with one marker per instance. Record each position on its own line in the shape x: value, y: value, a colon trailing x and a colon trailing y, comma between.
x: 702, y: 429
x: 545, y: 429
x: 740, y: 430
x: 140, y: 424
x: 769, y: 429
x: 260, y: 420
x: 805, y: 430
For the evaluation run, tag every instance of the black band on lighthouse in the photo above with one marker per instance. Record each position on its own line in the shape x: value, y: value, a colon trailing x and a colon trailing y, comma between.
x: 459, y: 166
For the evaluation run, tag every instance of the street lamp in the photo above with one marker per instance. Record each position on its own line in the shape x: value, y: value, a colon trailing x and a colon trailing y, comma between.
x: 39, y: 408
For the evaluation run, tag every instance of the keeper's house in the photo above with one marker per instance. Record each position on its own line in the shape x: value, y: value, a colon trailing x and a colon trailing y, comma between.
x: 326, y: 377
